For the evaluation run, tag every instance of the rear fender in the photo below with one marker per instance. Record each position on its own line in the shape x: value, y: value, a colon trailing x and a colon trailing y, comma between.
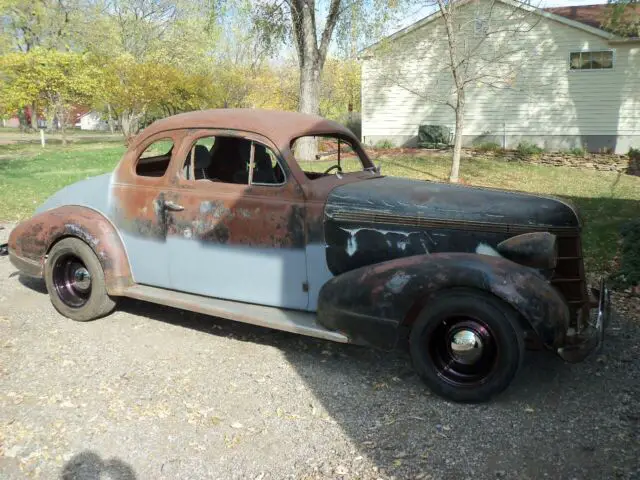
x: 369, y: 304
x: 31, y: 241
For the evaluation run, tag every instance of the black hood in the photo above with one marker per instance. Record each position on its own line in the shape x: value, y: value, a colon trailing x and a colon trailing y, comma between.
x: 385, y: 218
x: 442, y: 202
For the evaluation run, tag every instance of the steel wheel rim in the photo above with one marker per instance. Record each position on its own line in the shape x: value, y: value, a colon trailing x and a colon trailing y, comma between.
x: 72, y: 281
x: 464, y: 351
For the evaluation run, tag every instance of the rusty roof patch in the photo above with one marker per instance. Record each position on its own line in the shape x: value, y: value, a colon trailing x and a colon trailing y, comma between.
x: 279, y: 126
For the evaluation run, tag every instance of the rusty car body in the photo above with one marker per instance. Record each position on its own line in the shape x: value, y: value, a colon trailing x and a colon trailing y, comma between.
x: 351, y: 257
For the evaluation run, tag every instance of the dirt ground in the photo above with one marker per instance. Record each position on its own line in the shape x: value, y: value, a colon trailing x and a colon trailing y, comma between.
x: 157, y: 393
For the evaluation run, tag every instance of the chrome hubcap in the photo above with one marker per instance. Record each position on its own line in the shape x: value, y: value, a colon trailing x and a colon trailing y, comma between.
x: 463, y: 350
x: 82, y: 279
x: 72, y: 281
x: 466, y: 346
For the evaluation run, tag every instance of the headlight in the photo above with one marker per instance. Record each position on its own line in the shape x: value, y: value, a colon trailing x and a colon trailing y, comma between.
x: 536, y: 250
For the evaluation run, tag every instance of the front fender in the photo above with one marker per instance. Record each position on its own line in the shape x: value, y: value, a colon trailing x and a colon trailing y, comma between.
x: 32, y: 239
x: 369, y: 304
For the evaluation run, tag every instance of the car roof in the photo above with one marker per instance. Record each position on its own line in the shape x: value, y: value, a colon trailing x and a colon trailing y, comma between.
x: 279, y: 126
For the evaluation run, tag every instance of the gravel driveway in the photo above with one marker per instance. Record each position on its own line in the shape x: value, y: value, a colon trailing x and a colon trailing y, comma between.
x: 153, y: 393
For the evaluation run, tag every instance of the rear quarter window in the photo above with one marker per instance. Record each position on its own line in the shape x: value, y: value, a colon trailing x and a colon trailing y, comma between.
x: 154, y: 160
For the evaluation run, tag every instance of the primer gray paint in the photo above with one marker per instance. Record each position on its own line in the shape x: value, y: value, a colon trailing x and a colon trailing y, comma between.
x: 142, y: 252
x: 266, y: 276
x: 317, y: 272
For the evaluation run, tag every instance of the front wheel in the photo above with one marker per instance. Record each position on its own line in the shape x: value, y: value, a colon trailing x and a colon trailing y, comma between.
x: 75, y: 281
x: 467, y: 345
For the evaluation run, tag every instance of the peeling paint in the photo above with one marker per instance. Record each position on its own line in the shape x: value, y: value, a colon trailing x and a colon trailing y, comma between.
x: 398, y: 281
x: 484, y: 249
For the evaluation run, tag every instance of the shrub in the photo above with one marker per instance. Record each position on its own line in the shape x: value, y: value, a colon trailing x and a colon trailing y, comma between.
x: 628, y: 274
x: 384, y: 144
x: 634, y: 154
x: 577, y: 151
x: 525, y: 148
x: 488, y: 147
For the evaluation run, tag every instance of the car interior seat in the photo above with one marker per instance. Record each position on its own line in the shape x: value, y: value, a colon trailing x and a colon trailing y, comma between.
x: 263, y: 171
x: 201, y: 163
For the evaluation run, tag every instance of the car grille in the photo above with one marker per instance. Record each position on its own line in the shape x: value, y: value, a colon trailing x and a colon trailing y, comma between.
x: 569, y: 275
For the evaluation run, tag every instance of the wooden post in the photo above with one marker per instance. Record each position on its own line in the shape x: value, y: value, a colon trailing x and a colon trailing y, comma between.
x: 42, y: 142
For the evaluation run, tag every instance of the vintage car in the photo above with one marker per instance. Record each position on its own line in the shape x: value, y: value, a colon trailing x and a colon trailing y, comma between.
x: 217, y: 212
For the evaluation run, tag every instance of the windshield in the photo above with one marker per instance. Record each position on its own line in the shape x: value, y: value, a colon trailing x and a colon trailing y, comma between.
x: 327, y: 155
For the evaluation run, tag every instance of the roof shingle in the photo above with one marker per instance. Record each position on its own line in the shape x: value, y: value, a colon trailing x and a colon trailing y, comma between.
x: 592, y: 15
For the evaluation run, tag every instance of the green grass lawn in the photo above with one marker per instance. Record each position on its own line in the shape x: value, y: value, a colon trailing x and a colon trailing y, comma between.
x: 28, y: 175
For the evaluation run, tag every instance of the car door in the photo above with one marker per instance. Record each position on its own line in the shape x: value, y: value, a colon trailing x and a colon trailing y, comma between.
x: 138, y: 210
x: 237, y: 232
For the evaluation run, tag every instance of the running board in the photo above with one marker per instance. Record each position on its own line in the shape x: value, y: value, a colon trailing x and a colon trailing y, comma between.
x: 294, y: 321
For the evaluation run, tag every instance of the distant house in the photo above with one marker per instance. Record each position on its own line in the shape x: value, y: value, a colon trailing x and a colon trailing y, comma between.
x: 575, y: 84
x: 24, y: 116
x: 91, y: 120
x: 13, y: 122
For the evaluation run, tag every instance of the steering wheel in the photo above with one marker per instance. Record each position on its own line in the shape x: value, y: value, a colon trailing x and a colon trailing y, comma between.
x: 333, y: 168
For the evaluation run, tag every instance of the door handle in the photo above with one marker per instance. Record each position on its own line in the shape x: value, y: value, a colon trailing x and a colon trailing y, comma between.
x: 172, y: 206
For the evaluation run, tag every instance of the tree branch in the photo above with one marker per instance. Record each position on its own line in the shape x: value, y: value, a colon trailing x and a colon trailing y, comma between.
x: 332, y: 19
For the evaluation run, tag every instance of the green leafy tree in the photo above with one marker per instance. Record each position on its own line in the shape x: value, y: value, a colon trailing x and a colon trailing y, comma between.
x: 623, y: 18
x: 56, y: 80
x: 130, y: 90
x: 50, y: 24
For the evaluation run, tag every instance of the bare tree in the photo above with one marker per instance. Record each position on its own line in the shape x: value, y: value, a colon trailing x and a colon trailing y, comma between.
x: 311, y: 26
x: 479, y: 49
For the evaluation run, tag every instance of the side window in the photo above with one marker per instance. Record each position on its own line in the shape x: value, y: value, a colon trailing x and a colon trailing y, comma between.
x: 325, y: 155
x: 197, y: 165
x: 154, y: 161
x: 266, y: 167
x: 228, y: 160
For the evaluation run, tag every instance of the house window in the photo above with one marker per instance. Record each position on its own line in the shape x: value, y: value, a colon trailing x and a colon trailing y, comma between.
x: 596, y: 60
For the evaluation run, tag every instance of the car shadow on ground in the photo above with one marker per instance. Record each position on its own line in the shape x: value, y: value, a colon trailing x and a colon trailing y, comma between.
x: 550, y: 422
x: 392, y: 418
x: 88, y: 465
x: 35, y: 284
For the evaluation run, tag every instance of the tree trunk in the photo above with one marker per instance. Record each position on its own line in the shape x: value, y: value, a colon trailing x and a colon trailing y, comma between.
x: 34, y: 116
x: 307, y: 148
x: 22, y: 118
x: 50, y: 115
x: 112, y: 127
x: 125, y: 124
x: 62, y: 120
x: 129, y: 123
x: 457, y: 143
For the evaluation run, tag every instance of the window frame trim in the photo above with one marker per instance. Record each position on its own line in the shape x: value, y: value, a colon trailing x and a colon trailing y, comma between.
x: 225, y: 133
x: 354, y: 144
x: 593, y: 50
x: 160, y: 136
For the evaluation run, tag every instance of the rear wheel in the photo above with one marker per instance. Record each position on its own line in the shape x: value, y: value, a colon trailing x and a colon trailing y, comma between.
x: 75, y: 281
x: 467, y: 345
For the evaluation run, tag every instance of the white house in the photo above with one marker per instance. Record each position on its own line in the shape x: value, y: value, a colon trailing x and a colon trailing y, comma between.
x: 92, y: 120
x: 557, y: 80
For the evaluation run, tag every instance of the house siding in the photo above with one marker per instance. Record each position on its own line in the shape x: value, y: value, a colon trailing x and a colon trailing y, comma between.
x: 404, y: 84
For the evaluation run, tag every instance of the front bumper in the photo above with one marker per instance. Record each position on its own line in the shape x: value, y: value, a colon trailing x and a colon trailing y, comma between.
x: 580, y: 345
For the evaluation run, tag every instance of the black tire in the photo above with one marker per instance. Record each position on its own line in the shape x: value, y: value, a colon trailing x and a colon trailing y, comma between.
x: 72, y: 293
x: 488, y: 351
